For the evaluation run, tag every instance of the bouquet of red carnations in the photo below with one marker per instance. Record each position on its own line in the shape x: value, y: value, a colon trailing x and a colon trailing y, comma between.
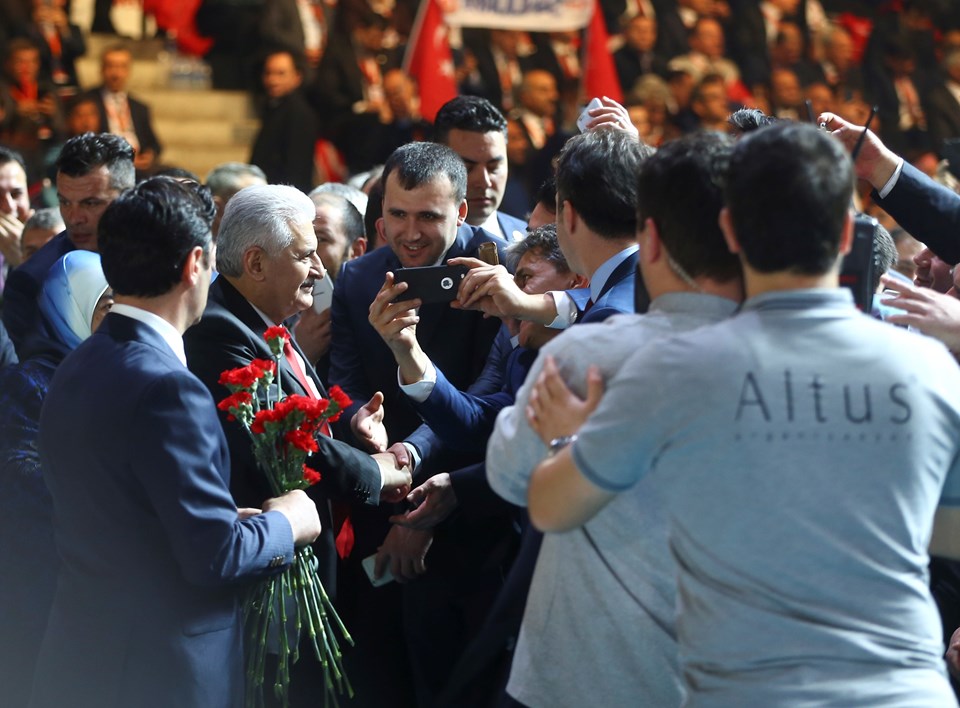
x: 283, y: 430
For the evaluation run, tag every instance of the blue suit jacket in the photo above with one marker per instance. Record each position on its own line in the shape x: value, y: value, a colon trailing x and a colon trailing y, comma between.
x: 457, y: 341
x: 617, y: 295
x: 21, y: 314
x: 509, y: 224
x: 928, y: 211
x: 145, y: 613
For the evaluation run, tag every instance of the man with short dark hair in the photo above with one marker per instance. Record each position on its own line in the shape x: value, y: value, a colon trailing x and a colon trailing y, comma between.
x: 801, y: 450
x: 151, y: 541
x: 596, y: 220
x: 424, y: 207
x: 92, y: 170
x: 283, y: 148
x: 474, y: 129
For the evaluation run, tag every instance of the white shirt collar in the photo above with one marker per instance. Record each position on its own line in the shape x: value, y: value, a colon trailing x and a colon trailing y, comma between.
x: 167, y: 331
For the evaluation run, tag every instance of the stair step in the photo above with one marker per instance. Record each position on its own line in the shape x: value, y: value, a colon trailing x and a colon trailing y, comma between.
x: 210, y: 132
x: 226, y: 106
x: 201, y: 161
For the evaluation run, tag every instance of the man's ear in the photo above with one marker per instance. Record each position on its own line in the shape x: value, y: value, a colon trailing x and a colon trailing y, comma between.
x: 651, y: 247
x: 729, y: 235
x: 578, y: 281
x: 192, y: 266
x: 381, y: 232
x: 462, y: 213
x: 358, y: 247
x: 568, y: 214
x: 253, y: 263
x: 846, y: 235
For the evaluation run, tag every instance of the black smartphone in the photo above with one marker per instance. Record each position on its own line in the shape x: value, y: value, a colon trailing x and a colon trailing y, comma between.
x: 856, y: 272
x: 432, y: 283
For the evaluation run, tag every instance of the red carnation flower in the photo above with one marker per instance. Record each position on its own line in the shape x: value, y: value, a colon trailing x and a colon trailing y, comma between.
x: 311, y: 476
x: 341, y: 400
x: 261, y: 418
x: 267, y: 366
x: 242, y: 378
x: 301, y: 440
x: 276, y: 337
x: 235, y: 401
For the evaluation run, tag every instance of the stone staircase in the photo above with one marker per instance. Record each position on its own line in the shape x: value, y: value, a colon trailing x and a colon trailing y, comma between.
x: 198, y: 128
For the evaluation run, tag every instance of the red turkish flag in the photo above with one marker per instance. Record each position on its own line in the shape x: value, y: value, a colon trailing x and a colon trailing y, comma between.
x: 428, y: 59
x: 600, y: 73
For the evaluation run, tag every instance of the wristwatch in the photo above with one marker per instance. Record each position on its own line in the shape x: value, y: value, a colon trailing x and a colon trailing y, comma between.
x: 557, y: 444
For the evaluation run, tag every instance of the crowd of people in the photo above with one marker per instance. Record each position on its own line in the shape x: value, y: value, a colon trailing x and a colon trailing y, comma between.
x: 645, y: 450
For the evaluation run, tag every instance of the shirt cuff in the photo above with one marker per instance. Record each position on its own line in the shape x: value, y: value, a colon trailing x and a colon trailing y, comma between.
x: 892, y: 182
x: 420, y: 391
x: 566, y: 309
x: 414, y: 456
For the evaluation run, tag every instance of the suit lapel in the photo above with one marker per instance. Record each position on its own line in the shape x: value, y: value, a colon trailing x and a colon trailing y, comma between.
x: 241, y: 308
x: 619, y: 273
x: 433, y: 314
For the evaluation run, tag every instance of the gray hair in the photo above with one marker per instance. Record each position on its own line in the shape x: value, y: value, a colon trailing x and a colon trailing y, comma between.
x: 46, y: 219
x: 543, y: 241
x: 224, y: 180
x: 351, y: 221
x: 260, y: 215
x: 348, y: 192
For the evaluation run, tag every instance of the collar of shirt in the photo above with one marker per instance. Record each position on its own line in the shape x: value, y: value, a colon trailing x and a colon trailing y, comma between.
x: 809, y: 299
x: 699, y: 303
x: 492, y: 225
x: 599, y: 278
x: 270, y: 323
x: 954, y: 89
x: 167, y: 331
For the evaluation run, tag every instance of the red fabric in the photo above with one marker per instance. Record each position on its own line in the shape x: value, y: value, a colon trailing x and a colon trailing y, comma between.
x: 429, y: 60
x: 341, y: 522
x: 859, y: 29
x: 301, y: 375
x: 177, y: 15
x: 600, y: 73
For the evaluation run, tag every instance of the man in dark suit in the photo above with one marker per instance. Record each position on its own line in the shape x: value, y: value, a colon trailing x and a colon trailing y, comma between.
x: 474, y: 129
x: 424, y: 207
x: 268, y: 263
x: 152, y: 544
x: 943, y: 103
x: 122, y: 114
x: 92, y: 170
x: 284, y: 147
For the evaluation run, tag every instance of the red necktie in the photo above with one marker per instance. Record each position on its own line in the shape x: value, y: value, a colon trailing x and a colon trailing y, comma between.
x: 341, y: 511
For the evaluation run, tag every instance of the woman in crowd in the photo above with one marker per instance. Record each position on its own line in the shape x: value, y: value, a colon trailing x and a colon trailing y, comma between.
x: 74, y: 299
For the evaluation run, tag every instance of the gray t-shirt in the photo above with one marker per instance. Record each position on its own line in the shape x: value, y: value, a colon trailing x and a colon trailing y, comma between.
x: 598, y: 626
x: 801, y: 449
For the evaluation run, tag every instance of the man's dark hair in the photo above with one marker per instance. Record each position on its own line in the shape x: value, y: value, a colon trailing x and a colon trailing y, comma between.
x: 471, y: 113
x: 547, y: 194
x: 350, y: 219
x: 788, y: 190
x: 10, y: 155
x: 82, y: 154
x: 180, y: 173
x: 543, y: 242
x: 747, y: 120
x: 146, y: 234
x: 417, y: 164
x: 597, y: 174
x: 680, y: 187
x: 373, y: 213
x: 884, y: 255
